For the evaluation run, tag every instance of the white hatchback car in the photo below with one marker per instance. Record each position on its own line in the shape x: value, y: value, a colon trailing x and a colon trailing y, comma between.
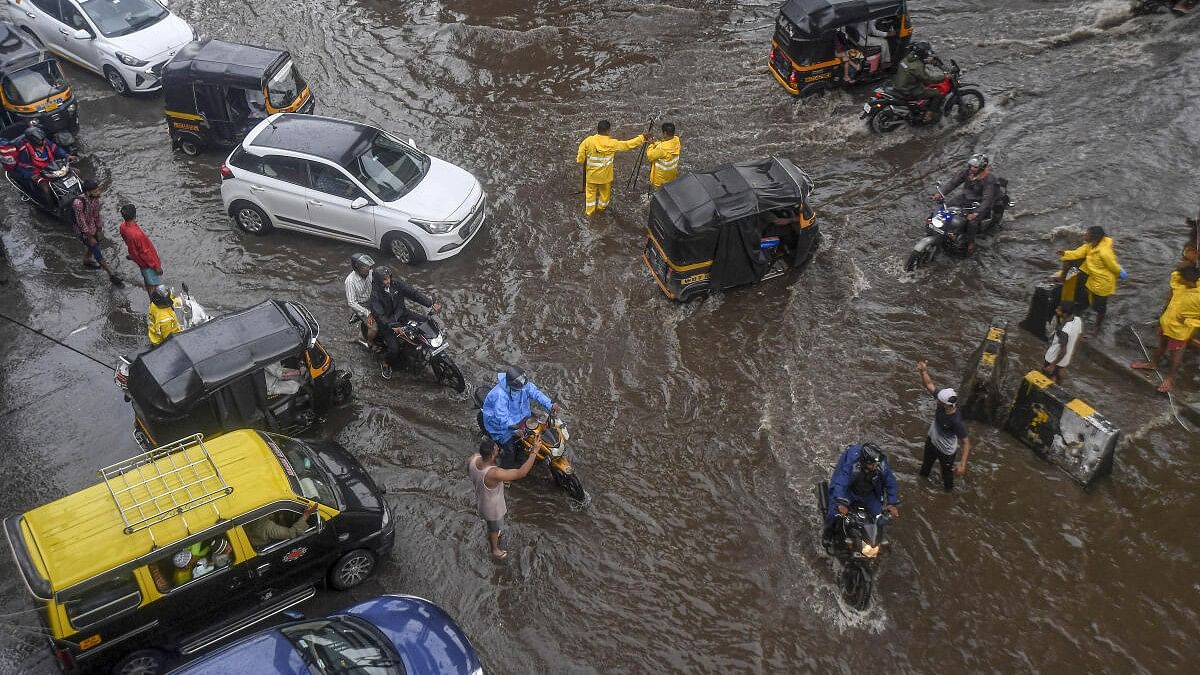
x: 126, y: 41
x: 351, y: 182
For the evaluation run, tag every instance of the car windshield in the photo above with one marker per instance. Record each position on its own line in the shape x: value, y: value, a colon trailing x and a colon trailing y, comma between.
x: 338, y: 645
x: 33, y: 84
x: 307, y: 479
x: 389, y: 168
x: 115, y: 18
x: 285, y: 86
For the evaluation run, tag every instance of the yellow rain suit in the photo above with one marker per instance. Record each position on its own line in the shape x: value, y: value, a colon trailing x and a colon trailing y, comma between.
x: 598, y: 151
x: 1100, y: 264
x: 161, y: 323
x: 1182, y: 315
x: 664, y: 161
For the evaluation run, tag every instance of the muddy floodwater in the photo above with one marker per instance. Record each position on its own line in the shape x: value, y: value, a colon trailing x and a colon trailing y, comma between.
x: 698, y: 430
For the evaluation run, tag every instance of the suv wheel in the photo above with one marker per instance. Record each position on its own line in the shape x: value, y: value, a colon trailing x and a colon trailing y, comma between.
x: 403, y: 248
x: 352, y: 569
x: 116, y: 81
x: 250, y: 218
x: 142, y: 662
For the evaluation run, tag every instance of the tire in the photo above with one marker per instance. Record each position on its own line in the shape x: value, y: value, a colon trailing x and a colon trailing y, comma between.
x: 142, y: 662
x: 570, y: 484
x: 856, y: 586
x: 448, y: 373
x: 884, y: 121
x: 352, y: 569
x: 403, y: 248
x: 118, y: 84
x: 190, y: 147
x: 250, y: 218
x: 915, y: 260
x: 342, y: 390
x: 968, y: 105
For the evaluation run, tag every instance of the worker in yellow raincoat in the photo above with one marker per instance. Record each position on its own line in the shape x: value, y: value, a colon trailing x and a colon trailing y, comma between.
x: 161, y: 320
x: 598, y: 151
x: 1101, y: 269
x: 663, y: 156
x: 1176, y: 325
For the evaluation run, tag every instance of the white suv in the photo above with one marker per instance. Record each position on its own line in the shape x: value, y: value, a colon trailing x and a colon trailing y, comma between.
x: 126, y: 41
x: 350, y: 182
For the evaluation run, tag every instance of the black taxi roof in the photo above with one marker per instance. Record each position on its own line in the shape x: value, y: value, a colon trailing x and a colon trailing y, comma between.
x: 338, y: 141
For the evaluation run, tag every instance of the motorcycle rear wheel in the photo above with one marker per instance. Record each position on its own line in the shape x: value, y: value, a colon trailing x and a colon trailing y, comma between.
x: 969, y: 103
x: 446, y: 372
x: 856, y: 586
x: 570, y: 483
x: 884, y: 121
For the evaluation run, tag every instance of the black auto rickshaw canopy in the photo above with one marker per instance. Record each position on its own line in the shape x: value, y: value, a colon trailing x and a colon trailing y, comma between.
x: 810, y: 19
x: 172, y: 379
x: 713, y: 222
x: 215, y: 62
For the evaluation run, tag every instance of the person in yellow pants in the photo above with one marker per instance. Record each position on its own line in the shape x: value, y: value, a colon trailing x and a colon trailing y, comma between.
x: 598, y: 151
x: 663, y: 156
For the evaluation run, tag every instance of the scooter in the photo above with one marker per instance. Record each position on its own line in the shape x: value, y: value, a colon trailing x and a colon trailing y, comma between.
x: 856, y: 543
x: 546, y: 435
x: 886, y: 112
x: 426, y: 346
x: 65, y: 186
x: 188, y: 311
x: 945, y: 229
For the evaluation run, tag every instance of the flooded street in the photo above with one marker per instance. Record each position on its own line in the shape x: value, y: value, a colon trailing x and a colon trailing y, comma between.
x: 698, y: 430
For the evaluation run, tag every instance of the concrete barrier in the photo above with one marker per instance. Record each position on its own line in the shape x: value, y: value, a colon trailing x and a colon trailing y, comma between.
x: 980, y: 390
x: 1046, y: 297
x: 1062, y: 429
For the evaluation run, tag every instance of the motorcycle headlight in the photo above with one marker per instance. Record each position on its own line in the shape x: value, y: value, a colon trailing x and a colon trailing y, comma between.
x: 869, y: 550
x: 437, y: 341
x: 434, y: 226
x: 556, y: 451
x: 72, y: 107
x: 131, y: 61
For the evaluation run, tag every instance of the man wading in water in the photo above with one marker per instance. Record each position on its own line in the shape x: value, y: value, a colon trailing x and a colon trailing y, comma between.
x: 488, y: 480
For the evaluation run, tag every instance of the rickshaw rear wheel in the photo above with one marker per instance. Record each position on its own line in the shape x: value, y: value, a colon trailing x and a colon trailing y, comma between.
x: 403, y: 248
x: 115, y: 81
x: 189, y: 147
x: 250, y: 218
x: 142, y: 662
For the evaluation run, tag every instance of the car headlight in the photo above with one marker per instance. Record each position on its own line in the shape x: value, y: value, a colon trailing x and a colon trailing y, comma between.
x: 434, y: 226
x: 130, y: 61
x: 387, y: 517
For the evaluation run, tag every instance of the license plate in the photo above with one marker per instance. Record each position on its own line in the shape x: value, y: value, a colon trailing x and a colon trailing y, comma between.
x: 70, y: 181
x: 867, y: 107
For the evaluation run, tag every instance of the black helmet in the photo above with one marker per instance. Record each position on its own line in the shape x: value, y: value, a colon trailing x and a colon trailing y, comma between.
x: 35, y: 134
x: 362, y: 262
x: 515, y: 377
x: 979, y: 161
x: 380, y: 273
x: 870, y: 454
x: 161, y: 296
x: 923, y: 50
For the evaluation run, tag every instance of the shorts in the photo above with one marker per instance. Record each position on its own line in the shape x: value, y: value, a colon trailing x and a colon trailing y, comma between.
x: 1099, y: 303
x: 150, y: 276
x: 94, y: 250
x: 1173, y: 345
x: 495, y: 525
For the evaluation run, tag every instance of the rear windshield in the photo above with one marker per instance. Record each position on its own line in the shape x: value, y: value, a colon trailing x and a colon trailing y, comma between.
x: 389, y: 168
x: 306, y: 478
x: 101, y: 600
x: 285, y: 86
x: 33, y: 84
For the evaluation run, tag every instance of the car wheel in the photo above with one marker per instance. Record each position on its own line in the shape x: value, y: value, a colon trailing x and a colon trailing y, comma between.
x: 352, y: 569
x: 33, y: 36
x: 250, y: 218
x: 142, y: 662
x: 403, y: 248
x: 116, y: 81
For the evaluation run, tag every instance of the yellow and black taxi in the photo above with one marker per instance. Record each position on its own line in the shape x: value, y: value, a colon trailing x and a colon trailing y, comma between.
x: 181, y: 547
x: 33, y: 89
x: 821, y: 44
x: 216, y: 91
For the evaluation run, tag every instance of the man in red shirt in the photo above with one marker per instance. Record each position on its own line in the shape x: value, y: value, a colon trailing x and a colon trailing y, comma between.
x: 141, y: 250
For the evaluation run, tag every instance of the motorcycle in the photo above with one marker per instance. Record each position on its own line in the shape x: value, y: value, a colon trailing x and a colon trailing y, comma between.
x: 188, y: 311
x: 886, y: 112
x: 944, y: 230
x: 856, y: 543
x: 1139, y: 7
x: 65, y: 186
x: 426, y: 346
x: 546, y: 435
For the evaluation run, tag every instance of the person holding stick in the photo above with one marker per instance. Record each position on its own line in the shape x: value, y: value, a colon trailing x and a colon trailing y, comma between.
x: 596, y: 153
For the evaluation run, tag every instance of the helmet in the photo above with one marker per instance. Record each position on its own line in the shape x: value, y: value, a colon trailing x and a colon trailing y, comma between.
x: 515, y: 377
x: 161, y: 296
x: 362, y: 262
x: 923, y: 50
x: 35, y: 134
x: 870, y: 453
x: 979, y: 161
x: 382, y: 272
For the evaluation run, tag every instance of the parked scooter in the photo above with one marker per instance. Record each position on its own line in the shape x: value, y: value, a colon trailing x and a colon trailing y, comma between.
x: 945, y: 230
x: 886, y: 112
x: 188, y: 311
x: 426, y: 344
x: 857, y: 543
x: 546, y: 436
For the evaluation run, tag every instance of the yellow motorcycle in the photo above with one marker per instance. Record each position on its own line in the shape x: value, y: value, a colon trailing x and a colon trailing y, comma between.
x: 547, y: 436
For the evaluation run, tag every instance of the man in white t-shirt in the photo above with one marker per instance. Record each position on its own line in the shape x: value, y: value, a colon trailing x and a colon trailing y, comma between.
x: 1062, y: 343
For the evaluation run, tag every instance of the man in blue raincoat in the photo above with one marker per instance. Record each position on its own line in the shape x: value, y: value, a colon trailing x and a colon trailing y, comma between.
x: 507, y: 406
x: 862, y: 476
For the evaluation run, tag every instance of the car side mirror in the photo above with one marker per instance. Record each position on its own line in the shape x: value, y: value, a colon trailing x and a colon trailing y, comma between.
x: 359, y: 202
x: 83, y: 35
x: 412, y: 143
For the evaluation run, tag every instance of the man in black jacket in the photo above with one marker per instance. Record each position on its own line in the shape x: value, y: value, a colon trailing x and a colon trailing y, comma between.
x: 390, y: 312
x: 979, y: 184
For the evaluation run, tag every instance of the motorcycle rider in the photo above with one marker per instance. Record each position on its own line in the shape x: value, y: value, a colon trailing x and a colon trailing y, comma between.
x: 388, y: 307
x: 979, y: 184
x: 862, y: 476
x: 36, y: 154
x: 914, y: 75
x: 358, y: 293
x: 161, y: 320
x: 506, y: 408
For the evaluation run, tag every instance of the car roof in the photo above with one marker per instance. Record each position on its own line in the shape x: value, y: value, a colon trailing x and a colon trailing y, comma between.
x: 266, y: 652
x: 79, y: 536
x: 338, y: 141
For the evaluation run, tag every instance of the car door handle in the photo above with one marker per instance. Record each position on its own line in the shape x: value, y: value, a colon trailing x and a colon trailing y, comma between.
x: 261, y: 569
x: 313, y: 202
x: 31, y: 15
x: 64, y: 31
x: 257, y: 188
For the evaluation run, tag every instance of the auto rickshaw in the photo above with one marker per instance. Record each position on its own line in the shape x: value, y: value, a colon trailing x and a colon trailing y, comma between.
x: 262, y: 368
x: 215, y: 91
x: 33, y: 89
x: 820, y: 44
x: 739, y: 224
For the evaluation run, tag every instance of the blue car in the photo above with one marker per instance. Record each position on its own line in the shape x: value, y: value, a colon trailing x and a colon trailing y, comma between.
x: 388, y: 635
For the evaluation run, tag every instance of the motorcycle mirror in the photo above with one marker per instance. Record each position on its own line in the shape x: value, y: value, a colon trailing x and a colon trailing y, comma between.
x: 185, y: 288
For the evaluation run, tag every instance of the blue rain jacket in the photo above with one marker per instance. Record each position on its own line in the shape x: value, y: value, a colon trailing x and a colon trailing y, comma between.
x: 881, y: 485
x: 504, y: 409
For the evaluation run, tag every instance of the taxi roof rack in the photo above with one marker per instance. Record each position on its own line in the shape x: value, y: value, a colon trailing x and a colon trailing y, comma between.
x: 148, y: 490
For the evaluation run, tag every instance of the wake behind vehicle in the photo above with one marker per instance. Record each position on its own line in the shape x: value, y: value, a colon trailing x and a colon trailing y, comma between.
x: 857, y: 543
x: 427, y: 347
x: 215, y: 92
x: 813, y: 43
x: 885, y: 111
x: 34, y: 90
x: 547, y: 436
x: 182, y: 547
x: 945, y: 228
x: 741, y: 223
x: 226, y: 374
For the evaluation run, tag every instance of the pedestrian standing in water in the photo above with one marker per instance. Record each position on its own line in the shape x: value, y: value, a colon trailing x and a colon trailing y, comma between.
x: 141, y: 249
x: 488, y: 480
x: 947, y: 432
x: 1062, y: 343
x: 90, y: 229
x: 1100, y: 271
